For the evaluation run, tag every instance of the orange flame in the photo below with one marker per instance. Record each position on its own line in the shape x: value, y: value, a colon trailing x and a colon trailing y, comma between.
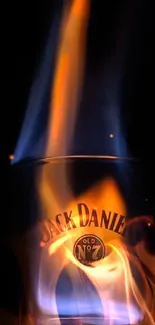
x: 103, y: 204
x: 112, y: 276
x: 68, y: 78
x: 65, y: 98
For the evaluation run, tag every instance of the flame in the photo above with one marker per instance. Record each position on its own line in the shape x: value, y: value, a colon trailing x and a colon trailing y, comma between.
x: 65, y: 96
x: 68, y: 77
x: 122, y: 298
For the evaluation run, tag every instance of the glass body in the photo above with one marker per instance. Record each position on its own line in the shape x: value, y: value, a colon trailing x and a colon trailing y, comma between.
x: 56, y: 252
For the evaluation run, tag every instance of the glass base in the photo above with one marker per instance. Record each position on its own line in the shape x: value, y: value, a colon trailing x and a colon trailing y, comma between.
x: 80, y: 321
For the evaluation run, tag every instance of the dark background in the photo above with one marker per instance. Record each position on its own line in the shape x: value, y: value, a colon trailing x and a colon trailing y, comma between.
x: 24, y: 34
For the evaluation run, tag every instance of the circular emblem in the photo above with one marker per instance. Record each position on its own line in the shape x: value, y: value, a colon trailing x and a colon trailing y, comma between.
x: 89, y: 249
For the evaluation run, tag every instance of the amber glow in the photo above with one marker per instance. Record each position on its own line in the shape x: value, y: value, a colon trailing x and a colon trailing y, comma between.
x: 112, y: 277
x: 11, y: 157
x: 68, y: 77
x: 120, y: 294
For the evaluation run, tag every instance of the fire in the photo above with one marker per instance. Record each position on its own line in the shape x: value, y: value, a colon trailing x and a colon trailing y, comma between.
x: 83, y: 237
x: 123, y: 297
x: 68, y: 78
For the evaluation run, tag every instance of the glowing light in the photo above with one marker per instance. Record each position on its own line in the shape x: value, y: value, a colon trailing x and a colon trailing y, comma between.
x: 11, y: 157
x: 42, y: 244
x: 149, y: 224
x: 111, y: 277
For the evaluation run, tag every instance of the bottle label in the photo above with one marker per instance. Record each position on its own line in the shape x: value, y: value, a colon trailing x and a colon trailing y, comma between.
x: 83, y: 219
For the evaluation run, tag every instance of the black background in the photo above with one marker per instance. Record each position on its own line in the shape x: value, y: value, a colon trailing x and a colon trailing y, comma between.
x: 25, y: 33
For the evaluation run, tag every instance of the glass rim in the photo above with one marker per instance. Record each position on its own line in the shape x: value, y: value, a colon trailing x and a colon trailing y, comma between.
x: 53, y: 159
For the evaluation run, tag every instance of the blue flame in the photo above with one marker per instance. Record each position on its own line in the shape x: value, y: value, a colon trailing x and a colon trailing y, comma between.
x: 32, y: 139
x: 100, y: 108
x: 84, y: 303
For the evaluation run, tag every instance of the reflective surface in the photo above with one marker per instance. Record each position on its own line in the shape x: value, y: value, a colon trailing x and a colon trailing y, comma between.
x: 82, y: 174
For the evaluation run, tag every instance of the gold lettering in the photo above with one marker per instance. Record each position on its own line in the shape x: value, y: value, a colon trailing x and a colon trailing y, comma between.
x: 96, y: 249
x: 81, y: 252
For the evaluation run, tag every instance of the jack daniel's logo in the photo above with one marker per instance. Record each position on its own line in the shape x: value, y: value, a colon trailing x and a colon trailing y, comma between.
x: 83, y: 216
x: 89, y: 249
